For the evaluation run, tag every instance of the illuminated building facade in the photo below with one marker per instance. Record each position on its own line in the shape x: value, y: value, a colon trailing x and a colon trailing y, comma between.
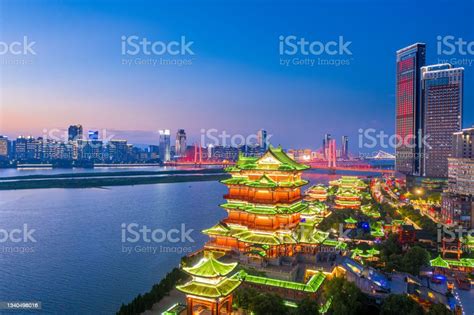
x: 74, y: 132
x: 267, y: 217
x: 262, y: 139
x: 345, y: 147
x: 442, y: 88
x: 165, y: 145
x: 4, y: 147
x: 180, y: 143
x: 409, y: 111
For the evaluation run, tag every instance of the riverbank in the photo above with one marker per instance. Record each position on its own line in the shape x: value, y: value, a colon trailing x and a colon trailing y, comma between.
x: 90, y: 180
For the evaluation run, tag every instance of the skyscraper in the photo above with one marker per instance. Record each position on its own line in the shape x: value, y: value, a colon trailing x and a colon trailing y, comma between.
x: 180, y: 146
x: 442, y: 97
x: 74, y: 132
x: 165, y: 145
x: 326, y: 139
x: 345, y: 147
x: 93, y: 135
x: 409, y: 110
x: 463, y: 143
x: 4, y: 147
x: 262, y: 139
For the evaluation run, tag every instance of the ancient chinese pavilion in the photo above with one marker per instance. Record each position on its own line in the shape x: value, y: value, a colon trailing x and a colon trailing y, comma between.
x: 210, y: 287
x: 267, y: 217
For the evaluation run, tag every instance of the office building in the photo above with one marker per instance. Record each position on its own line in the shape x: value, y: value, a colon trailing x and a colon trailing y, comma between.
x: 442, y: 97
x: 93, y: 135
x: 409, y: 109
x: 4, y: 147
x: 74, y: 132
x: 262, y: 139
x: 165, y: 145
x: 463, y: 143
x: 180, y: 143
x: 345, y: 148
x: 326, y: 139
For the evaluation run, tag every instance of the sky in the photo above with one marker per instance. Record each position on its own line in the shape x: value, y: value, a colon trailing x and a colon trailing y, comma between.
x: 235, y: 81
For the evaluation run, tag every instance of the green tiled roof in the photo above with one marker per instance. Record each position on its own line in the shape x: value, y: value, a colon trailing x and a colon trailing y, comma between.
x: 439, y: 262
x: 223, y: 288
x: 262, y: 182
x: 309, y: 235
x: 282, y: 162
x: 448, y: 263
x: 209, y: 267
x: 334, y: 243
x: 219, y: 229
x: 463, y: 262
x: 350, y: 220
x: 259, y: 209
x: 313, y: 284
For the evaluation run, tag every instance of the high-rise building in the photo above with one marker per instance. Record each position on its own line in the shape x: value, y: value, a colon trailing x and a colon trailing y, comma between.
x: 409, y: 111
x: 463, y: 143
x: 331, y: 154
x: 262, y: 139
x: 4, y: 147
x: 442, y: 97
x: 345, y: 147
x: 180, y: 146
x: 457, y: 206
x: 74, y: 132
x: 165, y: 145
x: 93, y: 135
x: 117, y: 150
x: 326, y: 139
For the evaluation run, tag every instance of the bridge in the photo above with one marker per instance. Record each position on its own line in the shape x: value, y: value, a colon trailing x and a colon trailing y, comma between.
x: 354, y: 168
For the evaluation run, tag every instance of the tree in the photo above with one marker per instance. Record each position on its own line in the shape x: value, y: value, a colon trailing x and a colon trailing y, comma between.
x: 347, y: 297
x: 268, y: 304
x: 244, y: 297
x: 400, y: 304
x: 307, y: 306
x: 439, y: 309
x: 415, y: 258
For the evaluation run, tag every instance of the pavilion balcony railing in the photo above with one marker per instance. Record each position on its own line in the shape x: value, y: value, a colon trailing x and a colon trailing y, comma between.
x: 263, y: 201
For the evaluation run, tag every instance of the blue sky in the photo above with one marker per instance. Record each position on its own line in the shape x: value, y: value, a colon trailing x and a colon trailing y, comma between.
x: 235, y: 82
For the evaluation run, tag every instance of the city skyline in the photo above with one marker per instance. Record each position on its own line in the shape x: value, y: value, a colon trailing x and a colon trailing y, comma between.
x: 86, y: 83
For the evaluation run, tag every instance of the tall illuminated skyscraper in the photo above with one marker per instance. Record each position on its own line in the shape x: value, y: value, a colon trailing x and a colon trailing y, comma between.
x: 4, y: 147
x: 180, y: 143
x: 262, y: 139
x: 345, y: 147
x: 326, y: 139
x: 74, y: 132
x: 409, y: 108
x: 442, y: 87
x: 165, y: 145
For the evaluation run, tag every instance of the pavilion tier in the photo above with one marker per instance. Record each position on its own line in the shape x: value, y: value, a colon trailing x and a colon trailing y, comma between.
x: 266, y: 212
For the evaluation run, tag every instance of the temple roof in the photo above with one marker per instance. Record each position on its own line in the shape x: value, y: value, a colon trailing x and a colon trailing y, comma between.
x: 313, y: 284
x: 263, y: 182
x: 350, y: 220
x: 273, y: 159
x: 210, y: 267
x: 448, y: 263
x: 439, y: 262
x: 261, y: 209
x: 221, y: 289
